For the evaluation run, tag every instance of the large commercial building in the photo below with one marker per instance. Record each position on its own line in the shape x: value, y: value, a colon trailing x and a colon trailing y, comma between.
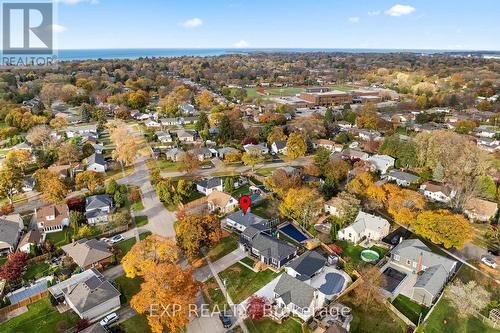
x: 328, y: 98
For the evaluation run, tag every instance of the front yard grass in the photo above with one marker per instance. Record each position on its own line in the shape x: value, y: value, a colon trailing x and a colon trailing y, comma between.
x: 137, y: 323
x: 141, y: 221
x: 409, y: 308
x: 242, y: 282
x: 264, y: 172
x: 124, y: 246
x: 226, y: 245
x: 248, y: 261
x: 36, y: 271
x: 128, y: 287
x: 268, y: 325
x: 242, y: 190
x: 213, y: 295
x: 41, y: 317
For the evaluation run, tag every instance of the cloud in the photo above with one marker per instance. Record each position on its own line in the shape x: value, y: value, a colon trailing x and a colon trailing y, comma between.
x: 374, y: 12
x: 400, y: 10
x: 58, y: 28
x: 241, y: 43
x: 192, y: 23
x: 354, y: 19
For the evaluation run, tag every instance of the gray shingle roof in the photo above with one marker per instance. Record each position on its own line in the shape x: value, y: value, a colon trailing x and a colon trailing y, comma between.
x: 87, y: 252
x: 412, y: 248
x: 247, y: 219
x: 88, y: 294
x: 294, y: 291
x: 410, y: 178
x: 9, y: 228
x: 308, y: 264
x: 98, y: 201
x: 271, y: 247
x: 96, y: 158
x: 432, y: 279
x: 280, y: 144
x: 209, y: 183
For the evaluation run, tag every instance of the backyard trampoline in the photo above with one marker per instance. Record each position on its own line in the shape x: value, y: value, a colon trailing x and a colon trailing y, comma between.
x: 294, y: 233
x: 393, y: 279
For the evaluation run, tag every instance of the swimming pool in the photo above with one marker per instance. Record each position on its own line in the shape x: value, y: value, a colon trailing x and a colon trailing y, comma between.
x: 293, y: 233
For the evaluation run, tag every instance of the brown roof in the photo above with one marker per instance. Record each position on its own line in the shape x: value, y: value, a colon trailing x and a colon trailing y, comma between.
x: 435, y: 187
x: 86, y: 252
x: 60, y: 212
x: 60, y: 169
x: 219, y: 199
x: 481, y: 207
x: 324, y: 142
x: 31, y: 237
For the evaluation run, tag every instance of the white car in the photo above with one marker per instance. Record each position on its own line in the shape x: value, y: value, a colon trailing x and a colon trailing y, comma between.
x: 109, y: 319
x: 489, y: 261
x: 116, y: 239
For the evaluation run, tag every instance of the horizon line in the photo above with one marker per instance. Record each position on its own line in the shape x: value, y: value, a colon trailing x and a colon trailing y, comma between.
x: 277, y: 48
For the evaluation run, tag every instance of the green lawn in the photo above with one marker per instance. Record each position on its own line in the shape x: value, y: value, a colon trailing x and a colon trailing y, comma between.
x: 141, y: 221
x: 137, y: 323
x: 374, y: 320
x: 61, y: 238
x: 128, y: 287
x: 267, y: 325
x: 409, y: 308
x: 264, y: 172
x: 137, y: 206
x: 167, y: 166
x: 249, y: 261
x: 354, y: 251
x: 213, y: 296
x: 124, y: 247
x: 260, y: 209
x: 41, y: 317
x: 226, y: 245
x: 144, y: 235
x: 243, y: 282
x: 243, y: 190
x: 36, y: 271
x: 255, y: 181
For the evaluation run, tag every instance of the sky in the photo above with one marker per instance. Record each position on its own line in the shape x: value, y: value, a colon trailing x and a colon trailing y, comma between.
x: 412, y: 24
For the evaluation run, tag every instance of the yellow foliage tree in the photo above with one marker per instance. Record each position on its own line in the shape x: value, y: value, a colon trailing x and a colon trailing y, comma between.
x: 302, y: 204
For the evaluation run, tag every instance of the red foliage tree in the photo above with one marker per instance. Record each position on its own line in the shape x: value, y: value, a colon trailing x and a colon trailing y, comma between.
x: 6, y: 209
x: 82, y: 324
x: 76, y: 203
x: 14, y: 266
x: 258, y: 307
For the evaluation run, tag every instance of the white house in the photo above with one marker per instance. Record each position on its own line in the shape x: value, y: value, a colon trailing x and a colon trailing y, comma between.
x: 240, y: 221
x: 261, y: 148
x: 52, y: 218
x: 381, y: 162
x: 151, y: 123
x: 327, y: 144
x: 96, y: 163
x: 402, y: 178
x: 279, y: 147
x: 98, y: 208
x: 209, y: 185
x: 365, y: 225
x: 437, y: 192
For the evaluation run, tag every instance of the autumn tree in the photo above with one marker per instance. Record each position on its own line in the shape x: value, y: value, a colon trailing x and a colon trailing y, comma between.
x: 40, y: 136
x: 14, y: 267
x: 280, y: 181
x: 276, y: 134
x: 194, y: 232
x: 233, y: 156
x: 18, y: 160
x: 68, y: 153
x: 148, y: 253
x: 367, y: 293
x: 90, y: 180
x: 205, y: 100
x: 188, y: 162
x: 368, y: 117
x: 257, y: 307
x: 336, y: 169
x: 296, y: 146
x: 58, y: 123
x: 443, y: 227
x: 166, y: 284
x: 468, y: 298
x: 403, y: 204
x: 302, y: 204
x: 252, y: 158
x: 54, y: 190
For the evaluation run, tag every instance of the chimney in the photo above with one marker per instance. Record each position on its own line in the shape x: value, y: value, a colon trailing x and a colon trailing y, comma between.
x: 419, y: 263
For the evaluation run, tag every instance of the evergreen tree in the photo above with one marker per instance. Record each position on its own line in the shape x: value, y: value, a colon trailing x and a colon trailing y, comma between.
x: 224, y: 129
x: 201, y: 122
x: 229, y: 184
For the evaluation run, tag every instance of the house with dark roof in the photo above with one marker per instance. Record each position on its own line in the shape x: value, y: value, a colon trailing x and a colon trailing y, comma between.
x: 31, y: 239
x: 98, y: 208
x: 226, y: 150
x: 426, y: 273
x: 88, y: 253
x: 96, y: 162
x: 402, y: 178
x: 209, y: 185
x: 279, y: 147
x: 272, y: 251
x: 306, y: 266
x: 240, y: 221
x: 11, y: 227
x: 295, y: 297
x: 92, y: 298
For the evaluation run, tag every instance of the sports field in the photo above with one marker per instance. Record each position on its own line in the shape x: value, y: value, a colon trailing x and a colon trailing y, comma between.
x: 288, y: 91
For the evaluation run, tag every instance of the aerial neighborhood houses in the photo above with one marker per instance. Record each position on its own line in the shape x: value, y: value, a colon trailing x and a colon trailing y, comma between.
x: 52, y: 218
x: 11, y: 227
x: 98, y: 208
x: 365, y: 226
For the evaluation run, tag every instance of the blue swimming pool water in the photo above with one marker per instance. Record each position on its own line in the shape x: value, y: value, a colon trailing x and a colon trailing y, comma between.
x: 333, y: 285
x: 293, y: 232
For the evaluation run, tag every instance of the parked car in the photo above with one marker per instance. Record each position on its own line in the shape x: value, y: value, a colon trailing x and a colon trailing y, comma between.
x: 109, y: 319
x: 116, y: 239
x: 226, y: 320
x: 105, y: 240
x: 489, y: 261
x: 206, y: 166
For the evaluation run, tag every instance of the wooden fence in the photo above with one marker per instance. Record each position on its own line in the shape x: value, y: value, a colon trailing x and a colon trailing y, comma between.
x: 37, y: 259
x: 9, y: 308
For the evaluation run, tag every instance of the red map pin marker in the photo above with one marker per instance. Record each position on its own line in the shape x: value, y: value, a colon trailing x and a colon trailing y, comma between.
x: 245, y: 203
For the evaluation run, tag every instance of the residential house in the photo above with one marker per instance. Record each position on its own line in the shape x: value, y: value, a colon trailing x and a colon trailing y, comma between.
x: 260, y: 147
x: 295, y: 297
x: 344, y: 125
x: 369, y: 135
x: 437, y: 192
x: 354, y: 154
x: 204, y: 153
x: 52, y: 218
x: 96, y: 162
x: 174, y: 154
x: 402, y: 178
x: 366, y: 226
x: 186, y: 135
x: 427, y: 272
x: 306, y: 266
x: 381, y: 162
x: 481, y: 210
x: 30, y: 240
x: 240, y: 221
x: 279, y: 147
x: 98, y: 208
x: 269, y: 250
x: 29, y: 184
x: 88, y: 253
x: 11, y: 227
x: 334, y: 206
x: 209, y: 185
x: 226, y: 150
x: 152, y: 124
x: 173, y: 121
x: 163, y: 136
x: 73, y: 131
x: 92, y: 298
x: 98, y: 148
x: 222, y: 202
x: 187, y: 108
x: 327, y: 144
x: 64, y: 171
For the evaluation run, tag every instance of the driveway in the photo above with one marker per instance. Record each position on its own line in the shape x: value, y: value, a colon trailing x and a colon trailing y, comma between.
x: 203, y: 273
